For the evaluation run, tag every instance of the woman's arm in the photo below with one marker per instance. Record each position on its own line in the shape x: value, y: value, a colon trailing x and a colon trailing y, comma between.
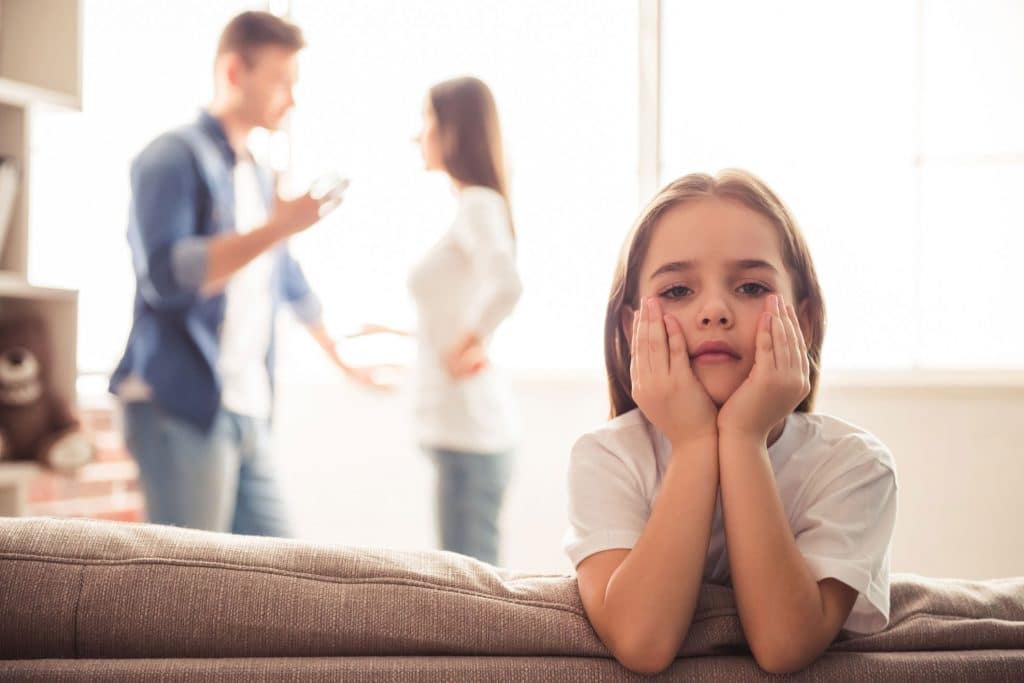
x: 641, y: 601
x: 483, y: 232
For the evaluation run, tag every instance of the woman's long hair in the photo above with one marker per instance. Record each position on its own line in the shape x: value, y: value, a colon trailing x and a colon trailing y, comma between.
x: 467, y: 121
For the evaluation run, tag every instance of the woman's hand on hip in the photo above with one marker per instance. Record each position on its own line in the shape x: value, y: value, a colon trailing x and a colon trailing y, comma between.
x: 466, y: 357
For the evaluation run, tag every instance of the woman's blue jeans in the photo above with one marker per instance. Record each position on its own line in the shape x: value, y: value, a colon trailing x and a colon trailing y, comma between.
x: 470, y: 490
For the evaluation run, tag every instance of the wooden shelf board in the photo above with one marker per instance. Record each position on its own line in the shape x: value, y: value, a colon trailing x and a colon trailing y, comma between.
x: 18, y: 472
x: 13, y: 286
x: 23, y: 94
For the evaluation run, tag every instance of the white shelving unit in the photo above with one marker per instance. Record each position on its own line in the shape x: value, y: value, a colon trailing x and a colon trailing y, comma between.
x: 40, y: 63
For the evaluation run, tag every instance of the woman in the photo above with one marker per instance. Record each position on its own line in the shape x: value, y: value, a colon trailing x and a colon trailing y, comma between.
x: 464, y: 287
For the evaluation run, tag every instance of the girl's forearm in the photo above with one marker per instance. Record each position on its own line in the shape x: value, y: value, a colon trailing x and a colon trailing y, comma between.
x: 778, y: 599
x: 650, y: 599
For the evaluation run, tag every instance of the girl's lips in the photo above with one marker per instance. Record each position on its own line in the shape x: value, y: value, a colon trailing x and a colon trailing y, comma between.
x: 714, y: 357
x: 714, y: 352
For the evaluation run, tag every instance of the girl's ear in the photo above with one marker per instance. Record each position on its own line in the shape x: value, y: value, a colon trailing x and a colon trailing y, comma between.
x: 626, y: 319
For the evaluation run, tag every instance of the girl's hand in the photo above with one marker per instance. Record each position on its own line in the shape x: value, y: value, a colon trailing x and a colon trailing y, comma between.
x: 466, y: 357
x: 779, y: 380
x: 664, y: 386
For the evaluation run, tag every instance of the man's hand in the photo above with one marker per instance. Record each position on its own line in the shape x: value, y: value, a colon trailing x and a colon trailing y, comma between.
x: 663, y: 384
x: 293, y: 216
x: 779, y: 380
x: 372, y: 376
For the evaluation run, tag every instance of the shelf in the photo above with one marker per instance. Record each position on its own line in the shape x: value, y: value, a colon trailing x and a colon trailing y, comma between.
x: 23, y: 95
x: 12, y: 472
x: 13, y: 286
x: 41, y: 52
x: 58, y: 309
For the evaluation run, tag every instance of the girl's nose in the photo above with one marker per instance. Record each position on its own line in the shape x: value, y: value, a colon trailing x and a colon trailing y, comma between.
x: 715, y: 312
x: 722, y: 320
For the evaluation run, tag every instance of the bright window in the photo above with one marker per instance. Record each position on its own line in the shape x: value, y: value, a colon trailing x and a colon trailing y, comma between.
x: 564, y: 77
x: 893, y: 132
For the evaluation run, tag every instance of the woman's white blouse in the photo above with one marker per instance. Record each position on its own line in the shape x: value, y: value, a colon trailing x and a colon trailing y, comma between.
x: 466, y: 282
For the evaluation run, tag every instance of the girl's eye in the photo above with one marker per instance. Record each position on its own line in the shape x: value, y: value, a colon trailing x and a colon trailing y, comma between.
x: 752, y: 289
x: 676, y: 292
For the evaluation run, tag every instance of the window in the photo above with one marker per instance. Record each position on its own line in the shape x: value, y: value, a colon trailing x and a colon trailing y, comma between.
x: 567, y: 102
x: 892, y: 131
x: 890, y: 128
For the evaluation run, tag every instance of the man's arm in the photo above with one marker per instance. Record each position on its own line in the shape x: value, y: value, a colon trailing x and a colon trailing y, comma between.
x: 364, y: 375
x: 227, y: 254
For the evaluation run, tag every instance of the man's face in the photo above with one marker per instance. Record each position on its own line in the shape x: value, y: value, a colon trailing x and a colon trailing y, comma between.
x: 264, y: 87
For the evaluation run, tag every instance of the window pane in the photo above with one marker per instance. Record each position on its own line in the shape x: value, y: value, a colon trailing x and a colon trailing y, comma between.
x: 564, y: 76
x: 975, y: 235
x: 791, y: 92
x: 973, y: 78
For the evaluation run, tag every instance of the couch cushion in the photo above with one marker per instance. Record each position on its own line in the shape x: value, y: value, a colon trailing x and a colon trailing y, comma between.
x: 77, y: 588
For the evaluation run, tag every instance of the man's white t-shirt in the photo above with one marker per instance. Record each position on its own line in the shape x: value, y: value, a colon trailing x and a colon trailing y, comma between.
x: 836, y: 481
x: 248, y: 316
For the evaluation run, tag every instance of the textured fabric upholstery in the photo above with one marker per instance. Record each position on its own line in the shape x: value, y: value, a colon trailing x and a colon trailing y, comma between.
x: 93, y: 600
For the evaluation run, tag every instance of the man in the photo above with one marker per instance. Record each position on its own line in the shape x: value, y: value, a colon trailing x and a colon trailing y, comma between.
x: 209, y: 245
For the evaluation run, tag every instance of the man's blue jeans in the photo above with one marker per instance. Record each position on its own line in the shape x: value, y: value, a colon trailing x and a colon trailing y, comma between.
x: 220, y: 481
x: 470, y: 489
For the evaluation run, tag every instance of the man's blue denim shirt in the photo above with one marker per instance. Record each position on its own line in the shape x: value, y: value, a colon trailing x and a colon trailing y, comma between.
x: 174, y: 343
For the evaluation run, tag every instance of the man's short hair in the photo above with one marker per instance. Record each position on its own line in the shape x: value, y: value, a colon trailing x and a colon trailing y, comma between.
x: 249, y: 31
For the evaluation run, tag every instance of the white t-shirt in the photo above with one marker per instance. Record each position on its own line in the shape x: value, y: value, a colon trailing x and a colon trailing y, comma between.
x: 248, y: 316
x: 837, y: 484
x: 467, y: 281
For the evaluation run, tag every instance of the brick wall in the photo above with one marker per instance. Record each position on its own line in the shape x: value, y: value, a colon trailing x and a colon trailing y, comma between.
x: 107, y: 488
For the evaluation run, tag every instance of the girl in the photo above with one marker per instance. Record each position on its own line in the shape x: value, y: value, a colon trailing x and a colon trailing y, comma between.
x: 464, y: 287
x: 713, y: 467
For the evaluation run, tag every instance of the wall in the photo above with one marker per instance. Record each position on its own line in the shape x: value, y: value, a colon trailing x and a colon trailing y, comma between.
x: 355, y: 477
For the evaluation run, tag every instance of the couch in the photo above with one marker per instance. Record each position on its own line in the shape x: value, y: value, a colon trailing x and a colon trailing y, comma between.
x: 99, y: 601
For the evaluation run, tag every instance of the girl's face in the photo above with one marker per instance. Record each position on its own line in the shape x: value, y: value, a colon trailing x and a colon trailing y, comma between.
x: 429, y: 139
x: 711, y: 263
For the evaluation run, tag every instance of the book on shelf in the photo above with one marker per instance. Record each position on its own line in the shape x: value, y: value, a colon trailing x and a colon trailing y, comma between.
x: 8, y: 195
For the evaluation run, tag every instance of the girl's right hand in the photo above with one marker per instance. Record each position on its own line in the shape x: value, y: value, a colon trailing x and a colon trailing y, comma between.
x: 663, y: 384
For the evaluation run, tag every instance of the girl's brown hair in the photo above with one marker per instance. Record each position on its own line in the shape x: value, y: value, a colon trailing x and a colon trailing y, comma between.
x: 467, y: 120
x: 734, y: 185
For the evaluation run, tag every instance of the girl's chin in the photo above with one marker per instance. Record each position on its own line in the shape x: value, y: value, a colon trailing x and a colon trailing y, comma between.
x: 719, y: 388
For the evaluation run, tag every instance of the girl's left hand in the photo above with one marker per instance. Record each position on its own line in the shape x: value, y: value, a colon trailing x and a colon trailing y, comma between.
x: 466, y: 357
x: 779, y: 380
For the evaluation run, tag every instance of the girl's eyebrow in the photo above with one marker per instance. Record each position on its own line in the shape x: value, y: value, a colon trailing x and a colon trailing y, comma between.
x: 674, y: 267
x: 740, y: 264
x: 753, y: 263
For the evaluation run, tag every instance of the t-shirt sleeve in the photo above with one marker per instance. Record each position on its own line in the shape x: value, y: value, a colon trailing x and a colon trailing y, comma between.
x: 607, y: 505
x: 845, y: 533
